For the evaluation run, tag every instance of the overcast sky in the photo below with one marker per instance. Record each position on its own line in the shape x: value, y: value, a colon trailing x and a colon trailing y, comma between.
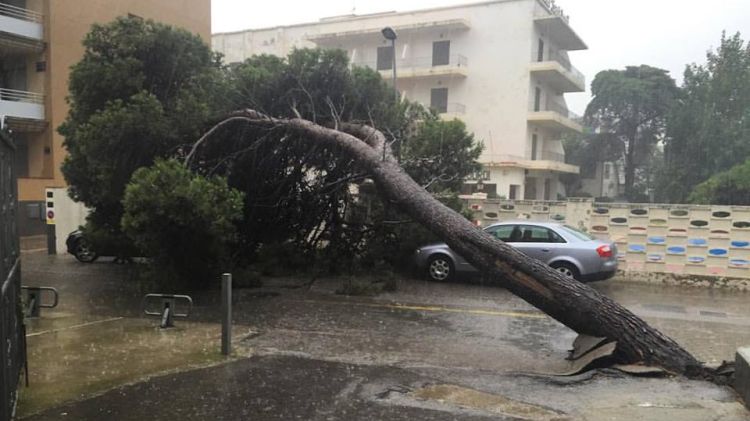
x: 662, y: 33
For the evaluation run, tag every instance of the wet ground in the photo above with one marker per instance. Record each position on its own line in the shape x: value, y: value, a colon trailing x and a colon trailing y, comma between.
x: 427, y: 351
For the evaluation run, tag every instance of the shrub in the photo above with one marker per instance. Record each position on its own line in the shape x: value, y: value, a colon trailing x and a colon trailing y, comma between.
x: 183, y: 221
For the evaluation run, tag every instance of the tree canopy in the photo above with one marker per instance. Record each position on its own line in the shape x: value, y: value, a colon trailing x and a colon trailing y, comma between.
x: 157, y: 89
x: 628, y: 112
x: 140, y: 91
x: 709, y: 128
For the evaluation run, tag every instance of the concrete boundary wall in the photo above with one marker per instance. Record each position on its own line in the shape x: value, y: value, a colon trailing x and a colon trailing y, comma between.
x: 651, y: 238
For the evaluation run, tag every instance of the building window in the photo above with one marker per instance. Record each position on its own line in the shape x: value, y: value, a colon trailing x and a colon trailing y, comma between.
x: 607, y: 170
x: 439, y: 100
x: 537, y: 99
x: 540, y: 51
x: 41, y: 66
x: 441, y: 53
x: 534, y: 143
x: 385, y: 58
x: 547, y: 188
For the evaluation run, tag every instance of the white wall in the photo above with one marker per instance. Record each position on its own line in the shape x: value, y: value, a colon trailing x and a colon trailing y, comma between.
x: 69, y: 215
x: 499, y: 45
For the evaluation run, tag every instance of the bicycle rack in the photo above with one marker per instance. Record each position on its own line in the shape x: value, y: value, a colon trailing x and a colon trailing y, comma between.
x: 33, y: 300
x: 168, y: 307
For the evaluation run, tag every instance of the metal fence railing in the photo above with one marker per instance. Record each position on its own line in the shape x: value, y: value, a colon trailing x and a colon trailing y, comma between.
x: 11, y: 320
x: 454, y: 60
x: 20, y: 96
x: 20, y: 13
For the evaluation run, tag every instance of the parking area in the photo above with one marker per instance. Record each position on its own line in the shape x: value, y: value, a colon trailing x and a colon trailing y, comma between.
x: 426, y: 351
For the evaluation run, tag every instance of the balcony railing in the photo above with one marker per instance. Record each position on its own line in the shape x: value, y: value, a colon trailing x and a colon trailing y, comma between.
x: 455, y: 108
x: 454, y: 60
x: 553, y: 156
x: 565, y: 62
x: 556, y: 10
x: 20, y: 13
x: 20, y: 96
x: 561, y: 109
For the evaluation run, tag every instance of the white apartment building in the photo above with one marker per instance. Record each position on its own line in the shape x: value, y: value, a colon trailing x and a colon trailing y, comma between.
x: 500, y: 66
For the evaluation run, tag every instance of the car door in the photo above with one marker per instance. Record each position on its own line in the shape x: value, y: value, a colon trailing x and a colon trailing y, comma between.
x: 539, y: 242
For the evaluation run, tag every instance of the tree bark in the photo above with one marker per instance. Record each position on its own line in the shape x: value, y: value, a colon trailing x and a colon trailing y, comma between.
x: 574, y: 304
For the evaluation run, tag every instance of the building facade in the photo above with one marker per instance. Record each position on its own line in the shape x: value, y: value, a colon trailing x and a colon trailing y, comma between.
x: 39, y: 41
x: 500, y: 66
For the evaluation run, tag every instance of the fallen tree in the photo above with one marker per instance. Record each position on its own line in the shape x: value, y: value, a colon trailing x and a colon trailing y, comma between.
x: 574, y: 304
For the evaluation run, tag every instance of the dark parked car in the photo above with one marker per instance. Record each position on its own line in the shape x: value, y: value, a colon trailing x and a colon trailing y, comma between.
x: 570, y: 251
x: 88, y: 248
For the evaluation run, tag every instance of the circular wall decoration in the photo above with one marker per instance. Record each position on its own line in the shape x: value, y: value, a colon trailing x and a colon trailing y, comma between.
x: 718, y: 252
x: 741, y: 224
x: 676, y: 250
x: 700, y: 242
x: 699, y: 223
x: 680, y: 213
x: 491, y: 215
x: 636, y: 248
x: 658, y: 221
x: 507, y: 207
x: 601, y: 211
x: 696, y: 259
x: 740, y: 244
x: 619, y: 220
x: 639, y: 212
x: 599, y: 228
x: 721, y: 214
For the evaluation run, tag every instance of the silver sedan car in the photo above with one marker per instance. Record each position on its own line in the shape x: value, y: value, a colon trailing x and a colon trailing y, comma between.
x: 570, y: 251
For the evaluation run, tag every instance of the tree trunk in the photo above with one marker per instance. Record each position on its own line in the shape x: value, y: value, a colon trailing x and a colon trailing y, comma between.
x: 574, y: 304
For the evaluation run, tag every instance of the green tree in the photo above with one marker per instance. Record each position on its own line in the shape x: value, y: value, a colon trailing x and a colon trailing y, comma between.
x: 629, y: 108
x: 183, y: 221
x: 709, y: 129
x: 304, y: 195
x: 731, y: 187
x: 140, y: 91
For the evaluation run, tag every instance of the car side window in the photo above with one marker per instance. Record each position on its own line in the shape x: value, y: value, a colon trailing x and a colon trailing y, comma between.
x: 502, y: 232
x: 534, y: 234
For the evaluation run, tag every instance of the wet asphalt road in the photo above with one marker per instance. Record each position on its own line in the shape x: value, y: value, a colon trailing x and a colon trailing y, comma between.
x: 310, y: 354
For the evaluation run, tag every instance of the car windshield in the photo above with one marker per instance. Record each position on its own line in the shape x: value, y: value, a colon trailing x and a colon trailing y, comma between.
x: 577, y: 233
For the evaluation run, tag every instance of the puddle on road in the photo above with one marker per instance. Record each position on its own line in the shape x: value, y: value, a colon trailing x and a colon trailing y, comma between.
x: 81, y: 358
x: 487, y: 402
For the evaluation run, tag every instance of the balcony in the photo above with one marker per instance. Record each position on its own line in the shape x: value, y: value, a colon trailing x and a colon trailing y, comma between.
x: 557, y: 72
x: 421, y: 67
x: 22, y: 111
x: 21, y: 30
x: 513, y: 161
x: 558, y: 29
x: 556, y: 117
x: 353, y: 30
x: 454, y: 110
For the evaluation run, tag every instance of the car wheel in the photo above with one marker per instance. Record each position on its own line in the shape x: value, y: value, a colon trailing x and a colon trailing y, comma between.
x: 440, y: 268
x: 567, y: 269
x: 83, y: 251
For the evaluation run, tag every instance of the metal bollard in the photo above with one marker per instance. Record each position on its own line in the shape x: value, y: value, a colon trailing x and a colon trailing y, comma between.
x: 226, y: 313
x: 33, y: 300
x: 168, y: 307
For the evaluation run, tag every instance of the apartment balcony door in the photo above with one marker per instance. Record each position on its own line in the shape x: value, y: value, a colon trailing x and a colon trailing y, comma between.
x: 529, y: 192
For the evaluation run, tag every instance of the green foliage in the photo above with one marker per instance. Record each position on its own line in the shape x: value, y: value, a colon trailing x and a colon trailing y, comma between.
x: 185, y: 222
x: 709, y: 128
x: 731, y: 187
x: 628, y: 114
x: 441, y: 154
x: 141, y: 90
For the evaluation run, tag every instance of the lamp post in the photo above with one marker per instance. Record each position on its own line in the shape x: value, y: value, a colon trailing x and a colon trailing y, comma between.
x: 390, y: 34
